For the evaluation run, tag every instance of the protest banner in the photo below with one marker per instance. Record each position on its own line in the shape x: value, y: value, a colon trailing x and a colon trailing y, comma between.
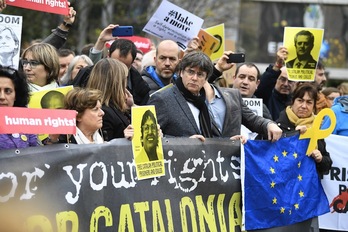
x: 11, y: 34
x: 218, y: 32
x: 207, y: 42
x: 336, y: 185
x: 35, y: 121
x: 146, y: 143
x: 50, y: 6
x: 303, y: 45
x: 172, y: 22
x: 49, y: 99
x: 95, y: 188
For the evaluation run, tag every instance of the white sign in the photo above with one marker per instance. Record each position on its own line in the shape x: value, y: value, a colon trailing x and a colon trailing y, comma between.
x: 10, y: 40
x: 172, y: 22
x: 335, y: 185
x: 256, y: 106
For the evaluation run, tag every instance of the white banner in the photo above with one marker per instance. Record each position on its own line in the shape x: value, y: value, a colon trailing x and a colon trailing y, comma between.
x: 172, y: 22
x: 335, y: 185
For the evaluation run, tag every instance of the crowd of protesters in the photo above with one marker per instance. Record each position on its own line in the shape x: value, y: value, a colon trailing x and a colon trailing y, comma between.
x: 181, y: 85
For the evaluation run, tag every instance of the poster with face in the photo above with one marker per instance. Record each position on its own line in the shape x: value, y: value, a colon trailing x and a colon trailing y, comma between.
x: 304, y: 48
x: 10, y: 40
x: 147, y: 143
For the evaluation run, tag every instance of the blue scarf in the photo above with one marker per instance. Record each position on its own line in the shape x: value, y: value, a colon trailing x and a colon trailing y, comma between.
x: 151, y: 70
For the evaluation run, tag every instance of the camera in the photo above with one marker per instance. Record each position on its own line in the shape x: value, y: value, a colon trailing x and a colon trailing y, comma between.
x: 236, y: 58
x: 122, y: 31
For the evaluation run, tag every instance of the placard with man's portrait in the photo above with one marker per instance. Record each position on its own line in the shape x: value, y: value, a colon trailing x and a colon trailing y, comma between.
x: 303, y: 45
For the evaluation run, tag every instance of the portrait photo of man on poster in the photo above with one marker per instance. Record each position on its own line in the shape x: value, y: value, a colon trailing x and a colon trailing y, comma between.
x: 304, y: 43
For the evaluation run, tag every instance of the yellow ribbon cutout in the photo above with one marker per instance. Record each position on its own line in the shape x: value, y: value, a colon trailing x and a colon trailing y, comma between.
x: 315, y: 133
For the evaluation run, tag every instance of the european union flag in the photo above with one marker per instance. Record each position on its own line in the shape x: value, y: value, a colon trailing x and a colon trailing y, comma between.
x: 281, y: 184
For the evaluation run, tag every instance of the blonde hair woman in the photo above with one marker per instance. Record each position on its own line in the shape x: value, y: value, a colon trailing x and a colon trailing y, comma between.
x: 110, y: 77
x: 41, y: 65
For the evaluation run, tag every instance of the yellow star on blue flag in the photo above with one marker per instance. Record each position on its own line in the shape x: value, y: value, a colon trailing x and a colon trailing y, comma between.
x: 284, y: 190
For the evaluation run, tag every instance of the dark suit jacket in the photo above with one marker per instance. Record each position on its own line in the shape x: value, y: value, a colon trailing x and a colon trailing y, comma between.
x: 176, y: 119
x: 237, y: 113
x: 173, y: 113
x: 138, y: 87
x: 310, y: 64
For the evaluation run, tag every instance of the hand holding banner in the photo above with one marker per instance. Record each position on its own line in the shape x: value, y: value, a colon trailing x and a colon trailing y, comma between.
x: 50, y: 6
x: 36, y: 121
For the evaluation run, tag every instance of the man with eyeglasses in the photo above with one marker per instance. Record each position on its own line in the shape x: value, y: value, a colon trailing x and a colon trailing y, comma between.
x: 181, y: 109
x: 168, y: 55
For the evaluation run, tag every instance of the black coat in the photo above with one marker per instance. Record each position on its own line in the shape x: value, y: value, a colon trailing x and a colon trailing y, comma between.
x: 138, y: 87
x: 67, y: 139
x: 114, y: 122
x: 324, y: 166
x: 275, y: 101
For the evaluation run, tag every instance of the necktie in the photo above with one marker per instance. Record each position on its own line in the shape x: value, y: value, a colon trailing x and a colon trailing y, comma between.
x: 298, y: 65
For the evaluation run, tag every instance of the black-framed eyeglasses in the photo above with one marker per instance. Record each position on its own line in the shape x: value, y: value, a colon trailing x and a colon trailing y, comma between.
x: 191, y: 73
x: 284, y: 79
x: 33, y: 63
